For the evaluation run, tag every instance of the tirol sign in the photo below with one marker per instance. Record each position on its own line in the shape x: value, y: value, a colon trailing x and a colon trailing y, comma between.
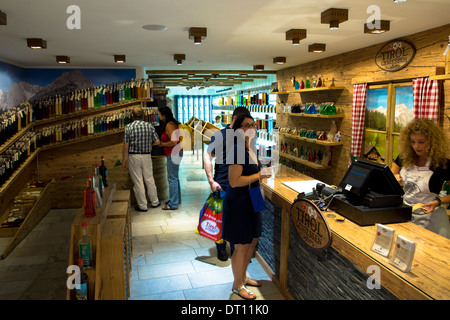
x: 310, y: 224
x: 395, y: 55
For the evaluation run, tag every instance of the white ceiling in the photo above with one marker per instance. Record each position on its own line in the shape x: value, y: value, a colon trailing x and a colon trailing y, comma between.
x: 241, y: 33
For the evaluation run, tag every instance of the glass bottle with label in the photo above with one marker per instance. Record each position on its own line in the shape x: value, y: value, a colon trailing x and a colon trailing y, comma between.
x: 89, y: 199
x: 85, y: 247
x: 82, y: 292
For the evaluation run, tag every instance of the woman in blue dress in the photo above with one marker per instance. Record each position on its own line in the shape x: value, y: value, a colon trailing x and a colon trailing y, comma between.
x: 241, y: 224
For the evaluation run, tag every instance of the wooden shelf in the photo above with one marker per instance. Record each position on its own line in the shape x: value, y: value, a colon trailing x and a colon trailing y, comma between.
x: 304, y: 162
x: 313, y: 141
x: 318, y: 115
x: 14, y: 138
x: 309, y: 90
x: 39, y: 209
x: 88, y: 112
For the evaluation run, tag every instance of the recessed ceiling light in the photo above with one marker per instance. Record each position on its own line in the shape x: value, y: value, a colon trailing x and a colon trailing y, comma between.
x: 154, y: 27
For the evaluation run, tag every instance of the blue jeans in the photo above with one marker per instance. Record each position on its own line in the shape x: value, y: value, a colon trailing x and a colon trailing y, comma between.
x: 173, y: 166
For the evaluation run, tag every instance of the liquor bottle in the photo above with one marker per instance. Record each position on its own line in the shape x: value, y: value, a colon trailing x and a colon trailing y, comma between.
x: 103, y: 172
x: 308, y: 84
x: 85, y: 247
x: 89, y: 199
x: 82, y: 292
x: 302, y: 85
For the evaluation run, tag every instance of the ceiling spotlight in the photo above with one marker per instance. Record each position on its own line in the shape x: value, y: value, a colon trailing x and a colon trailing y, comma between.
x: 179, y: 58
x: 279, y: 60
x: 119, y: 58
x: 3, y: 21
x: 377, y: 26
x: 296, y: 35
x: 244, y: 75
x: 258, y: 67
x: 36, y: 43
x: 317, y: 47
x: 333, y: 17
x: 62, y: 59
x: 198, y: 34
x: 399, y: 1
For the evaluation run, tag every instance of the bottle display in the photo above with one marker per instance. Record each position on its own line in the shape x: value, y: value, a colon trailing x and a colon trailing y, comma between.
x: 89, y: 199
x: 99, y: 96
x: 85, y: 247
x: 82, y: 292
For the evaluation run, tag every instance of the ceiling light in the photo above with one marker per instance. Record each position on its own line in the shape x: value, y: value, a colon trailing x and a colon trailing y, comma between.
x: 62, y: 59
x: 198, y: 34
x: 119, y: 58
x: 333, y: 17
x: 154, y: 27
x: 258, y: 67
x: 179, y: 58
x: 317, y: 47
x: 244, y: 75
x: 296, y: 35
x: 2, y: 18
x: 377, y: 26
x: 36, y: 43
x: 279, y: 60
x: 399, y: 1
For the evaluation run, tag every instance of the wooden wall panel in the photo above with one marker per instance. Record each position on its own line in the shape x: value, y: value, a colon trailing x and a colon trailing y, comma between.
x: 359, y: 67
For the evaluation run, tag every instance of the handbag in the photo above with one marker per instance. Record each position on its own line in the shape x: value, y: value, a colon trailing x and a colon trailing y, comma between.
x: 210, y: 220
x: 256, y: 196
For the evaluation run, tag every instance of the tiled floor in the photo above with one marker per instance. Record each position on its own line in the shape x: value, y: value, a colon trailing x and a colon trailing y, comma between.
x: 170, y: 261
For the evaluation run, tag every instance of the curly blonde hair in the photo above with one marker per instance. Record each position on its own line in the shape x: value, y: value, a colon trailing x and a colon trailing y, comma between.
x: 435, y: 137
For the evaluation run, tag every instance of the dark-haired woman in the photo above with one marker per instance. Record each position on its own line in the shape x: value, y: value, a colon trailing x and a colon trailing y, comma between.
x: 170, y: 141
x: 241, y: 224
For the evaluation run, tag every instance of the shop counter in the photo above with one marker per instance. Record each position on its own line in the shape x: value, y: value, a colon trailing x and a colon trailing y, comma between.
x: 347, y: 269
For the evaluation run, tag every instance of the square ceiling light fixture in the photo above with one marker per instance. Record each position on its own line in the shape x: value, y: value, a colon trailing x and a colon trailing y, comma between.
x: 296, y: 35
x: 317, y: 47
x: 198, y: 34
x: 333, y: 17
x: 3, y: 21
x: 179, y: 58
x: 36, y: 43
x: 258, y: 67
x: 279, y: 60
x: 377, y: 26
x: 119, y: 58
x: 62, y: 59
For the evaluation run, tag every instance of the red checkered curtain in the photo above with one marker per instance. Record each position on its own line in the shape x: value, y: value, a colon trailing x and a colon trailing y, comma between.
x: 358, y: 115
x: 426, y: 99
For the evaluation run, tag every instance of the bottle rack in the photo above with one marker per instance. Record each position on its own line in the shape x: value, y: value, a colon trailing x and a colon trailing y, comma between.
x: 308, y: 97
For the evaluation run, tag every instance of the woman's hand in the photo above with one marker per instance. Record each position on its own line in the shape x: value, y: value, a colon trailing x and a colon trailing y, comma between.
x: 399, y: 178
x: 430, y: 206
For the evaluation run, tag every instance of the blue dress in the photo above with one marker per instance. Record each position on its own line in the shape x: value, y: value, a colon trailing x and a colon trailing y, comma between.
x: 240, y: 222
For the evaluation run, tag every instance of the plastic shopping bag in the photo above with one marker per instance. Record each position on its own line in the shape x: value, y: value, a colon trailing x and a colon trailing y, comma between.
x: 210, y: 220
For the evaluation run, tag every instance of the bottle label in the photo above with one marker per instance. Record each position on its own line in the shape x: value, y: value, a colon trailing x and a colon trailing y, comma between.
x: 81, y: 293
x: 85, y: 254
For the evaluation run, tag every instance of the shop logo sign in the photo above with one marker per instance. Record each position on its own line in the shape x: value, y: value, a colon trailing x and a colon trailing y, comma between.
x: 310, y: 224
x: 395, y: 55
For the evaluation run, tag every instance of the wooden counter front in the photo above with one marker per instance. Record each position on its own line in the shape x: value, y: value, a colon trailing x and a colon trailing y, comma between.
x: 430, y: 274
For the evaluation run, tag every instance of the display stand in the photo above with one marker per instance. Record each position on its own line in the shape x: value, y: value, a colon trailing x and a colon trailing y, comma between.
x: 110, y: 232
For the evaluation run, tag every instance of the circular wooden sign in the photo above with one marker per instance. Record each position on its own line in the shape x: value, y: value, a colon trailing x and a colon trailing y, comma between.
x: 395, y: 55
x: 311, y: 224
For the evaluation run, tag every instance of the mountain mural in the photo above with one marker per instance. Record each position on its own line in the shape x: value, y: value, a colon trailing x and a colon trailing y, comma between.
x: 66, y: 83
x: 20, y: 92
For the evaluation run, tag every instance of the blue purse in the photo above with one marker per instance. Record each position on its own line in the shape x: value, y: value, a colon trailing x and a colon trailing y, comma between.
x: 258, y: 202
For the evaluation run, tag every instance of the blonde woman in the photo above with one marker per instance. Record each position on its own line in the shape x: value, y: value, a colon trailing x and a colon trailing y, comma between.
x: 423, y: 167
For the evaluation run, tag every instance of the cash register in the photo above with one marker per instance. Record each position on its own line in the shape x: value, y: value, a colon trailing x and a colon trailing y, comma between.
x: 370, y: 194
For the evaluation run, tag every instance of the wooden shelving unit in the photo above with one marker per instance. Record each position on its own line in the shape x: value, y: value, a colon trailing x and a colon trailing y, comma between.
x: 110, y: 232
x: 304, y: 162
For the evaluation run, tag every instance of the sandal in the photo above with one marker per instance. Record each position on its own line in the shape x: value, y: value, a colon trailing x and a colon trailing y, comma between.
x: 166, y: 207
x: 255, y: 283
x: 238, y: 290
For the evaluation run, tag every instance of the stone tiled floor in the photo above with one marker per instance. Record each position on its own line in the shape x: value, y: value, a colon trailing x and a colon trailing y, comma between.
x: 170, y: 261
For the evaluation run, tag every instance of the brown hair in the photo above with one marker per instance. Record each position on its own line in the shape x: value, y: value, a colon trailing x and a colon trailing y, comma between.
x: 436, y: 140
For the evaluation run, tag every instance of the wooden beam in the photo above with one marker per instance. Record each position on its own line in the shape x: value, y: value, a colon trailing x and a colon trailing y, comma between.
x: 197, y: 72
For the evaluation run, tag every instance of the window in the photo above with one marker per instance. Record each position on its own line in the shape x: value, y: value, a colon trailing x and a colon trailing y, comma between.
x: 389, y: 108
